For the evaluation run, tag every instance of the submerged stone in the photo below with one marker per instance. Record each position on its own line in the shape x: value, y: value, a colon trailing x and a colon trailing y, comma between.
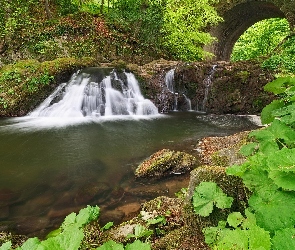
x: 166, y: 162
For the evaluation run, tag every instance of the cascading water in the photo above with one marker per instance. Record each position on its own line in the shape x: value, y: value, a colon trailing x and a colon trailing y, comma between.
x: 81, y: 97
x: 208, y: 83
x: 169, y: 82
x: 189, y: 103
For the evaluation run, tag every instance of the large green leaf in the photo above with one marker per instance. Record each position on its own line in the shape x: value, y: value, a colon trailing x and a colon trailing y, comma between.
x: 274, y: 210
x: 208, y: 194
x: 111, y: 245
x: 278, y: 133
x: 136, y: 245
x: 282, y: 168
x: 267, y: 115
x: 277, y: 86
x: 6, y: 246
x: 284, y: 239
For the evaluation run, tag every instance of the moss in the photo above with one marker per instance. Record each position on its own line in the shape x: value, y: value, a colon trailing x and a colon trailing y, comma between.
x: 24, y: 84
x: 16, y: 240
x: 166, y: 162
x: 219, y: 160
x: 243, y: 75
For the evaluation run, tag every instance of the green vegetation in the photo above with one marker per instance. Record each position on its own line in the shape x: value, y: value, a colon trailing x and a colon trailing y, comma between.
x: 68, y: 236
x: 271, y: 41
x: 268, y: 222
x: 26, y: 78
x: 134, y: 30
x: 184, y: 27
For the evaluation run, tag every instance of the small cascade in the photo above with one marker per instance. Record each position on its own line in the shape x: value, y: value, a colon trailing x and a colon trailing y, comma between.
x: 170, y: 84
x: 83, y: 97
x: 208, y: 83
x: 169, y: 80
x: 188, y: 103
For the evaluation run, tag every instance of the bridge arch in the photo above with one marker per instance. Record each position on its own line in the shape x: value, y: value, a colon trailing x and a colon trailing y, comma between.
x: 236, y: 21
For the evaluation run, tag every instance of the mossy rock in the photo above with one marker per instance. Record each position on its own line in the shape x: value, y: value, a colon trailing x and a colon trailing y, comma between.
x: 231, y: 185
x: 166, y: 162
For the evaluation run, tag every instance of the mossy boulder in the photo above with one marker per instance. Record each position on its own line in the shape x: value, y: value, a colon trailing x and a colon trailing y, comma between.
x: 166, y: 162
x: 230, y: 185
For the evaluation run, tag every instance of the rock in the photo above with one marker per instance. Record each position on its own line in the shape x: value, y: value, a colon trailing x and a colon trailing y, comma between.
x: 32, y: 224
x: 147, y: 191
x: 231, y: 185
x: 223, y: 151
x: 130, y: 209
x: 122, y: 231
x: 62, y: 213
x: 115, y: 216
x: 166, y: 162
x: 90, y: 191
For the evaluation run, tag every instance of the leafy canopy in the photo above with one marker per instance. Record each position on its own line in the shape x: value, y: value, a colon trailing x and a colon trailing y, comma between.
x: 260, y: 39
x: 184, y: 27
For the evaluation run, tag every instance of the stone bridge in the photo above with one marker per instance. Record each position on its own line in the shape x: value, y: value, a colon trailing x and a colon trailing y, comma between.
x: 239, y: 15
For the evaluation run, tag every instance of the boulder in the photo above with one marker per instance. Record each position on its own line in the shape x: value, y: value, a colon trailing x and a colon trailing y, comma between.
x: 166, y: 162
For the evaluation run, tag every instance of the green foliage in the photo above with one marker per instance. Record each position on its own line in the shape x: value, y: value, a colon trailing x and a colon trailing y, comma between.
x: 69, y: 236
x: 111, y: 245
x: 184, y: 27
x: 241, y: 233
x: 142, y: 19
x: 269, y: 173
x: 107, y: 226
x: 208, y: 194
x: 260, y: 39
x: 140, y: 232
x: 136, y: 245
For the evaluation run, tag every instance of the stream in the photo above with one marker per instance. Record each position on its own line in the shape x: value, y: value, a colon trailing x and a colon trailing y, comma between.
x: 49, y: 172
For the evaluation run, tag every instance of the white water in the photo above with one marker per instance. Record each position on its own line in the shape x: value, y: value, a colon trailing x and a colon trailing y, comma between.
x: 208, y: 83
x: 82, y: 98
x: 169, y: 82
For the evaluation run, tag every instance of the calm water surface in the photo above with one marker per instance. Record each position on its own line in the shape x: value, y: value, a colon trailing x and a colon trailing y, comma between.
x: 49, y: 169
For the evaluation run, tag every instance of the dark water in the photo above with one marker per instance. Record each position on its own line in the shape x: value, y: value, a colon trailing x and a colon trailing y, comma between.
x: 48, y: 171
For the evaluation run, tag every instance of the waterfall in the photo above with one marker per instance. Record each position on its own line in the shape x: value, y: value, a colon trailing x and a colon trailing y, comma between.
x: 208, y: 83
x: 170, y: 84
x: 169, y: 80
x: 188, y: 103
x: 83, y: 97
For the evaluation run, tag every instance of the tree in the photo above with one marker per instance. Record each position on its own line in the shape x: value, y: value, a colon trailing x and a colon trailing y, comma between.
x: 260, y: 39
x: 185, y: 23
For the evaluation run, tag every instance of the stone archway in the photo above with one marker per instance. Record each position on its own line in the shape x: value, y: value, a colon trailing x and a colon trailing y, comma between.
x: 236, y: 21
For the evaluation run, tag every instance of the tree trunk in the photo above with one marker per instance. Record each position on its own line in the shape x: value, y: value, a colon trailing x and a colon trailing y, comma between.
x: 48, y: 13
x: 101, y: 6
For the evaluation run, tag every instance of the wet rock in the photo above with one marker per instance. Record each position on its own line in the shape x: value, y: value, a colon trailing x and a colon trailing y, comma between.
x: 106, y: 216
x: 35, y: 206
x: 166, y: 162
x: 90, y: 191
x: 130, y: 209
x: 65, y: 200
x: 30, y: 225
x: 147, y: 190
x: 62, y: 213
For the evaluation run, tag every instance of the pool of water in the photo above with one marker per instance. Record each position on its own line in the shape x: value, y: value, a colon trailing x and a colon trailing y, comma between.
x: 50, y: 168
